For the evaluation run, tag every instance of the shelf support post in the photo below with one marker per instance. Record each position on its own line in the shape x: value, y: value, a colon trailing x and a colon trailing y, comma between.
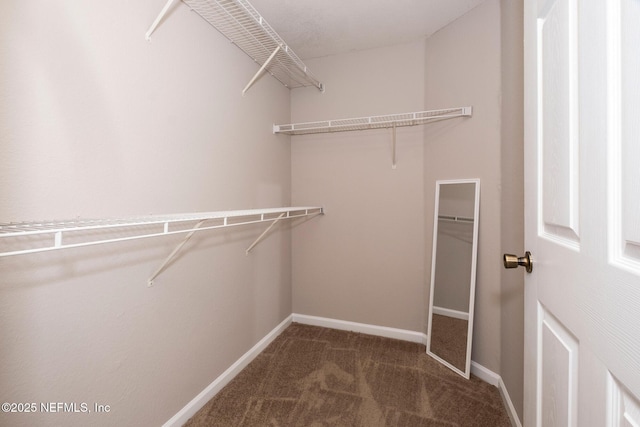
x: 264, y: 233
x: 393, y: 164
x: 173, y: 254
x: 255, y: 77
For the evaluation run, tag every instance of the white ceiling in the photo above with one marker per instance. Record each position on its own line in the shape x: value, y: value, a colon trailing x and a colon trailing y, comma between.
x: 315, y: 28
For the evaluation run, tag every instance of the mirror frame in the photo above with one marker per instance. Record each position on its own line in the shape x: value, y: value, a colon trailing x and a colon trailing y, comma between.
x: 474, y: 258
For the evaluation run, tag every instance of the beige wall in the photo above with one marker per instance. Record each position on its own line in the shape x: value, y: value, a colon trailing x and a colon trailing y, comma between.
x: 477, y: 60
x: 512, y: 233
x: 354, y: 264
x: 463, y: 68
x: 366, y: 260
x: 95, y: 121
x: 363, y: 261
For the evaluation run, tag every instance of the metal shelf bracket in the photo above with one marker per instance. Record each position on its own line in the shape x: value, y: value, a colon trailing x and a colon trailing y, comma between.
x: 153, y: 26
x: 264, y: 233
x: 260, y: 71
x: 174, y: 253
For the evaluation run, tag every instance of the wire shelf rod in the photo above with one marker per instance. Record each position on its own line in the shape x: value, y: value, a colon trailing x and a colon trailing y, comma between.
x: 242, y: 25
x: 245, y: 28
x: 42, y: 227
x: 454, y: 218
x: 54, y: 232
x: 373, y: 122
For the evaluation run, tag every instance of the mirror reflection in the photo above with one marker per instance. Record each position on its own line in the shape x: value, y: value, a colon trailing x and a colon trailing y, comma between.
x: 453, y: 273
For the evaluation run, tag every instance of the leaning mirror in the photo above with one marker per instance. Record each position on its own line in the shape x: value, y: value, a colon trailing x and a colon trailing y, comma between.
x: 453, y: 273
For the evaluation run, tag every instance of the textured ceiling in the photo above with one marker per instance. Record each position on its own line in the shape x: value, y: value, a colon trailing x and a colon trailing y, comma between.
x: 315, y: 28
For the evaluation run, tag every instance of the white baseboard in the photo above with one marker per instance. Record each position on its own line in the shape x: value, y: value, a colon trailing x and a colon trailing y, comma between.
x: 402, y: 334
x: 494, y: 379
x: 343, y: 325
x: 486, y: 375
x: 511, y: 410
x: 212, y: 389
x: 450, y: 313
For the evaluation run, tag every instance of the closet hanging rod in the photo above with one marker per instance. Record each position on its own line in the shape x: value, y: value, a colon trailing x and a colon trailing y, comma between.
x: 455, y: 218
x: 32, y: 237
x: 373, y: 122
x: 241, y: 23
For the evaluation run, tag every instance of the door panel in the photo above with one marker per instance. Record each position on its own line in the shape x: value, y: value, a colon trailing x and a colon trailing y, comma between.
x: 558, y: 363
x: 625, y: 409
x: 624, y: 111
x: 558, y: 138
x: 582, y: 212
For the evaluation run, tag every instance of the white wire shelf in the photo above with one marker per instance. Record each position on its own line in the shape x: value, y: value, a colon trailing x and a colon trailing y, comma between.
x: 373, y: 122
x: 32, y: 237
x: 239, y: 22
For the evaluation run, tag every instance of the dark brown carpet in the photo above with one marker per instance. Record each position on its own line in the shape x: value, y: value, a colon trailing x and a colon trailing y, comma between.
x: 311, y: 376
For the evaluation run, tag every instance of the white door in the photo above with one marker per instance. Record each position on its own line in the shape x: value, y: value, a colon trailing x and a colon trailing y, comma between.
x: 582, y: 212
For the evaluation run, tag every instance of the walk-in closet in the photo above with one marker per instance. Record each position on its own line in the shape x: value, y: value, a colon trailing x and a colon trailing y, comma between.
x: 252, y: 212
